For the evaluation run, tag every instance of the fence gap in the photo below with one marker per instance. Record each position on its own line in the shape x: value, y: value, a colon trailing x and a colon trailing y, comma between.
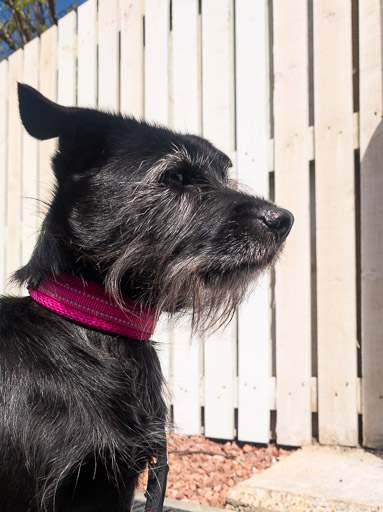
x: 313, y: 251
x: 358, y: 273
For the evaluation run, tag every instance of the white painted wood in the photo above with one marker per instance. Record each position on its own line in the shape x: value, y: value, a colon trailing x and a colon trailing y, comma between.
x: 14, y: 181
x: 30, y: 160
x: 187, y: 369
x: 335, y: 200
x: 163, y: 335
x: 218, y: 126
x: 371, y: 143
x: 217, y: 73
x: 67, y: 49
x: 254, y: 329
x: 292, y: 189
x: 157, y: 61
x: 186, y: 376
x: 186, y: 67
x: 3, y: 166
x: 132, y: 57
x: 87, y: 54
x: 108, y: 55
x: 48, y: 87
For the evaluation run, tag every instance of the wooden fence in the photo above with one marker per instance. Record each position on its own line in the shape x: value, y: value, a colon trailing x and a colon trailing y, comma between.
x: 292, y: 91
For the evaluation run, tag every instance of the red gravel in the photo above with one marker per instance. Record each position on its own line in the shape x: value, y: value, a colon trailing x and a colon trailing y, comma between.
x: 201, y: 470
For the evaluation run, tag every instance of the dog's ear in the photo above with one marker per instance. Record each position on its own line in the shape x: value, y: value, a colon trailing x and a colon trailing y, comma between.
x: 42, y: 118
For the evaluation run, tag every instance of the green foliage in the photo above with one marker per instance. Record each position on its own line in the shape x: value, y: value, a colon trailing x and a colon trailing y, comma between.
x: 22, y: 20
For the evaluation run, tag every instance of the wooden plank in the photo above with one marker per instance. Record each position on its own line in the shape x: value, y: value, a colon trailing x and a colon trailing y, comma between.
x: 157, y: 61
x: 48, y: 87
x: 163, y: 336
x: 187, y: 370
x: 336, y: 246
x: 3, y: 166
x: 218, y: 126
x: 292, y: 189
x: 186, y: 67
x: 254, y: 319
x: 14, y: 182
x: 186, y: 377
x: 87, y: 54
x: 371, y: 175
x: 217, y: 73
x: 67, y: 49
x: 108, y: 55
x: 30, y: 160
x: 132, y: 58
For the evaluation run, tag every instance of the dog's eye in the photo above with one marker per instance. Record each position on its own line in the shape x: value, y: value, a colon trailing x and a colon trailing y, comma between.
x: 182, y: 178
x: 178, y: 176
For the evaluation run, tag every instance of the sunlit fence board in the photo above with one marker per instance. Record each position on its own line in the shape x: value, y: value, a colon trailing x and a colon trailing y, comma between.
x: 67, y: 47
x: 132, y: 57
x: 3, y: 166
x: 14, y: 181
x: 48, y: 87
x: 254, y: 320
x: 293, y: 283
x: 218, y: 127
x: 87, y: 54
x: 157, y: 60
x: 30, y: 160
x: 187, y: 118
x: 371, y: 176
x: 108, y: 55
x: 335, y: 214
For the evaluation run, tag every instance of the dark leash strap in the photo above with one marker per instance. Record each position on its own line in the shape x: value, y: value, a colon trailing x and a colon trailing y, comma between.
x: 156, y: 488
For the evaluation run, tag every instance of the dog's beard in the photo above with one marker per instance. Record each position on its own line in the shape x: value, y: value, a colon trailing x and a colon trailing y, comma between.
x: 170, y: 260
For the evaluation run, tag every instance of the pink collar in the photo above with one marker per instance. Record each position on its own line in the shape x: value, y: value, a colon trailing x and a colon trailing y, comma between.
x: 88, y: 303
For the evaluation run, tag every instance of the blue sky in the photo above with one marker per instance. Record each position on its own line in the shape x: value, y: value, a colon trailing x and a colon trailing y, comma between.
x: 61, y: 5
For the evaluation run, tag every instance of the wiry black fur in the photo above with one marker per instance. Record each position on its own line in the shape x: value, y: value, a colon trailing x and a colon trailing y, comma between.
x: 149, y: 214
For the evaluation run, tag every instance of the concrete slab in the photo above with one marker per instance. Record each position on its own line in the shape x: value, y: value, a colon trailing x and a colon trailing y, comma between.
x: 315, y: 479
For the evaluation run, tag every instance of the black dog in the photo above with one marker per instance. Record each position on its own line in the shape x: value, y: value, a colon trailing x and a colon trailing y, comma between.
x: 143, y: 213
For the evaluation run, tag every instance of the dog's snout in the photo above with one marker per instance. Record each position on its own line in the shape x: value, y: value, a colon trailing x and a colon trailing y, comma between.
x: 279, y: 220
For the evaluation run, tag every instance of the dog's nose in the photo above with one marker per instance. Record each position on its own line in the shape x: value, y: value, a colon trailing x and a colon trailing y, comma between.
x: 278, y: 220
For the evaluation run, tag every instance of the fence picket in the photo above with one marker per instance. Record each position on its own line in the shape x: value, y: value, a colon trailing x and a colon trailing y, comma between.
x: 157, y: 61
x: 87, y: 54
x: 371, y: 176
x: 187, y: 107
x: 292, y: 189
x: 108, y: 55
x: 13, y: 250
x: 67, y: 48
x: 335, y: 200
x: 3, y: 165
x: 218, y: 126
x: 30, y: 160
x: 132, y: 57
x: 254, y: 320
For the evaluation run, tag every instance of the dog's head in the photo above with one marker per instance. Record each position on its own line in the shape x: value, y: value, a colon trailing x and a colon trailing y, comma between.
x: 150, y: 213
